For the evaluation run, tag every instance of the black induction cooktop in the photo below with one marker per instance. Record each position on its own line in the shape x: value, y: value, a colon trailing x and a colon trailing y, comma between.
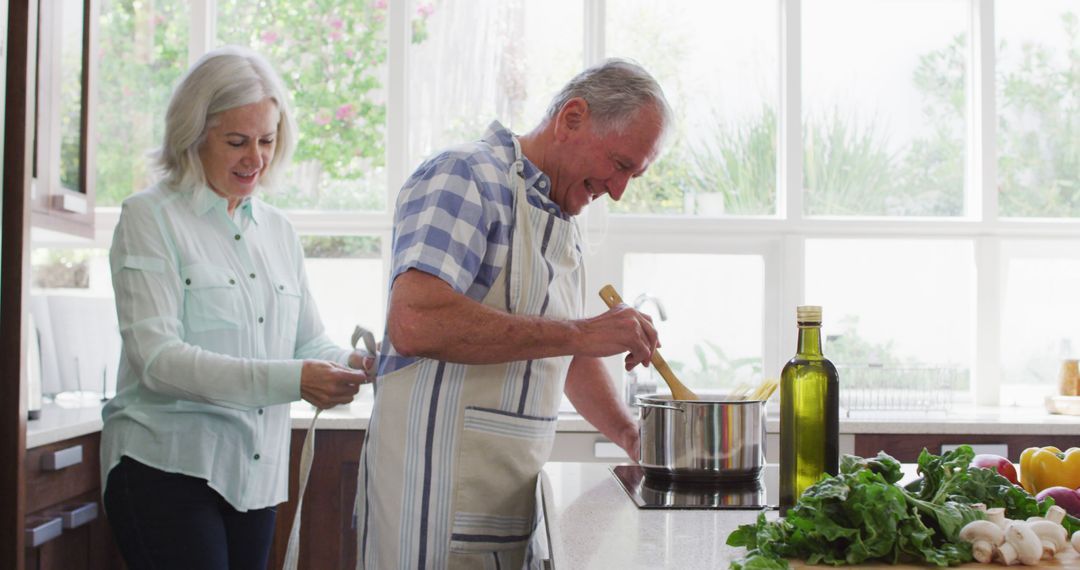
x: 651, y: 493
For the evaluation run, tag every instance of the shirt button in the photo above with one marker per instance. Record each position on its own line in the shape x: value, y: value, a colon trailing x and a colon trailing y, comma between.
x: 236, y: 237
x: 256, y: 457
x: 252, y: 276
x: 232, y: 281
x: 260, y: 411
x: 542, y: 184
x: 260, y: 319
x: 188, y: 281
x: 281, y: 287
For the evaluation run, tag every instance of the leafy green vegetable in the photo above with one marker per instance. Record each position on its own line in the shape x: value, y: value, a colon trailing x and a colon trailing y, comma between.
x: 951, y: 477
x: 857, y: 516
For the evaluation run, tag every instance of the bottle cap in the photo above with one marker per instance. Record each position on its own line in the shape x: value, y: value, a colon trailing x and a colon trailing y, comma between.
x: 808, y: 313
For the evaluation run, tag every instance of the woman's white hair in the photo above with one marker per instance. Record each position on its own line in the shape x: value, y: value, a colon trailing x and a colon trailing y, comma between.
x: 615, y: 89
x: 223, y: 79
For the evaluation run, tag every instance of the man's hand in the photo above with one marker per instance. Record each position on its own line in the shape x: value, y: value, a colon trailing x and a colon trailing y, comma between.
x: 326, y: 384
x: 629, y: 441
x: 620, y: 329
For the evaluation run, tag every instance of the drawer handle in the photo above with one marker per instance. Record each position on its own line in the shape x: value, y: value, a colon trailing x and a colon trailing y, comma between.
x: 75, y: 516
x: 43, y: 531
x: 61, y: 459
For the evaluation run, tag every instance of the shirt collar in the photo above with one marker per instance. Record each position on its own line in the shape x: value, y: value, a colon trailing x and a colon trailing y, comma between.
x: 203, y: 199
x: 501, y: 140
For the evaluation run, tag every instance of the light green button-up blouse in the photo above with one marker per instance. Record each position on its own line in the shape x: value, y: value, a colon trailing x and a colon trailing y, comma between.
x: 216, y: 317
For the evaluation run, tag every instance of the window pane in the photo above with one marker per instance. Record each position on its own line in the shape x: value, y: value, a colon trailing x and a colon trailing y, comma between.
x: 1038, y: 319
x: 144, y: 50
x: 718, y: 63
x: 714, y: 304
x: 474, y: 61
x: 332, y: 262
x: 1038, y: 130
x: 884, y: 123
x: 71, y: 87
x: 898, y: 318
x: 332, y: 56
x: 82, y: 268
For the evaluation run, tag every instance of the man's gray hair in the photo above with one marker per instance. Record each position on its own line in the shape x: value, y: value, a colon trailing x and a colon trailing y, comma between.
x: 615, y: 89
x: 223, y: 79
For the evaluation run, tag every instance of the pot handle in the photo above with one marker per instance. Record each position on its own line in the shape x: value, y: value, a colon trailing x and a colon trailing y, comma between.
x: 648, y: 405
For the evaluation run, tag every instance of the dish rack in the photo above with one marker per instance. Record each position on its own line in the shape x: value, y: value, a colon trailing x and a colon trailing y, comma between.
x: 875, y: 388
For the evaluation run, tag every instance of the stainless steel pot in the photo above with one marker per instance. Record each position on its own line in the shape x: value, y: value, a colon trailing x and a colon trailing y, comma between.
x: 704, y: 441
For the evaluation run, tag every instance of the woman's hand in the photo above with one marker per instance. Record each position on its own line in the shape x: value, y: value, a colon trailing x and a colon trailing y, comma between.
x: 327, y: 384
x: 361, y: 359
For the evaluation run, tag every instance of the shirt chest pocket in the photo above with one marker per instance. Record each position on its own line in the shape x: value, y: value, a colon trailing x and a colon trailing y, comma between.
x: 287, y: 299
x: 212, y: 298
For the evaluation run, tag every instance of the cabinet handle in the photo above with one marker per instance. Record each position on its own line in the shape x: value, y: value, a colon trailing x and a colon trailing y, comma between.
x: 75, y: 516
x: 61, y: 459
x: 40, y: 531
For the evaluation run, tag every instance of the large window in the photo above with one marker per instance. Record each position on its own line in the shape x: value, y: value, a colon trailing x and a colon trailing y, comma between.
x: 721, y: 80
x: 144, y: 51
x: 884, y: 107
x: 1038, y: 126
x: 908, y: 164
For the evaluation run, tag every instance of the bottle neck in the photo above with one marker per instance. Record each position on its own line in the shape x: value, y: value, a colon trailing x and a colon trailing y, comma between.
x: 809, y: 339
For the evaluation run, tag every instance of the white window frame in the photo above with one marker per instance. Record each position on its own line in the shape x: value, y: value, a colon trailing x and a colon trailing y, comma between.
x: 778, y: 239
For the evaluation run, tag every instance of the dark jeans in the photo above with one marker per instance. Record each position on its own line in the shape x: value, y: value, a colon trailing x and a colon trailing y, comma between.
x: 168, y: 520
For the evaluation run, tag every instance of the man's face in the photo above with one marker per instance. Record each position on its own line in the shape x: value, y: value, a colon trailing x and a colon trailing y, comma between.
x: 591, y: 165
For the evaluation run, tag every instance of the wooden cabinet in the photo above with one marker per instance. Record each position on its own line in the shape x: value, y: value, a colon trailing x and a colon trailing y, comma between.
x: 65, y: 514
x: 328, y: 535
x: 907, y: 446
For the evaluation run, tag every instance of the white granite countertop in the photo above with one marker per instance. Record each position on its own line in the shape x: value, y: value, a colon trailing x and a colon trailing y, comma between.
x: 592, y: 524
x: 58, y: 423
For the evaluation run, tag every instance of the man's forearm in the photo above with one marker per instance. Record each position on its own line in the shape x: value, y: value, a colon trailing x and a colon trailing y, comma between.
x: 427, y: 318
x: 592, y: 391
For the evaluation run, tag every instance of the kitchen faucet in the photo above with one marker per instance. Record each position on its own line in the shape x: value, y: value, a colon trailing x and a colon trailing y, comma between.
x: 644, y: 298
x: 647, y: 384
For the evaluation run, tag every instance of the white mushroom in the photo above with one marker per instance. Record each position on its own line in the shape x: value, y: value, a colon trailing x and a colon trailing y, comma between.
x: 996, y: 515
x: 1026, y: 546
x: 1055, y: 514
x: 1052, y: 536
x: 1076, y: 540
x: 984, y: 537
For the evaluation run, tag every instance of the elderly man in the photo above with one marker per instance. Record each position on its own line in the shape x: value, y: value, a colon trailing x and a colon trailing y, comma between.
x: 485, y: 329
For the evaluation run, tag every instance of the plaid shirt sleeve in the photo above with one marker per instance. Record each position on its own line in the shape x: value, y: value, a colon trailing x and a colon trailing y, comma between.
x: 442, y: 223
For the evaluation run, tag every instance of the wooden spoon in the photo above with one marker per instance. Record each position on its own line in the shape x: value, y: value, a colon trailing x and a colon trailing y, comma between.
x: 678, y: 390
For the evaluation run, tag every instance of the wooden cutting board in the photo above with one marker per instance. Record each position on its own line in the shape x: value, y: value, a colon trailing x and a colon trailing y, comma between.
x: 1067, y: 559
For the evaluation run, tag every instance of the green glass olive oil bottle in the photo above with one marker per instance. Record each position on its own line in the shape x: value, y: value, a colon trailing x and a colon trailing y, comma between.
x: 809, y: 413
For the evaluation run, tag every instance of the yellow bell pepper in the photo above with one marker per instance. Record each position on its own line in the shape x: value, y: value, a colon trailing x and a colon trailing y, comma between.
x: 1045, y: 467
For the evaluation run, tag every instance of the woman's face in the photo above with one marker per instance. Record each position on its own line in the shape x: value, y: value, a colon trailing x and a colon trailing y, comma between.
x: 238, y: 149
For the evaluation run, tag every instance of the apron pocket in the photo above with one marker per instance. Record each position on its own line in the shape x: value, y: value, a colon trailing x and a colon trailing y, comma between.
x: 499, y: 459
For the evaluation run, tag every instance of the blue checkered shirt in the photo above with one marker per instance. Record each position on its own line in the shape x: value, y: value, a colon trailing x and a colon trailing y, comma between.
x: 453, y: 219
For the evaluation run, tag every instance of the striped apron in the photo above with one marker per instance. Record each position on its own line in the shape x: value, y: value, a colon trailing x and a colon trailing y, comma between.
x: 449, y: 468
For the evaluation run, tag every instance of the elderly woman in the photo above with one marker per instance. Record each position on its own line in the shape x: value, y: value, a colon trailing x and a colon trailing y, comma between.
x: 220, y: 332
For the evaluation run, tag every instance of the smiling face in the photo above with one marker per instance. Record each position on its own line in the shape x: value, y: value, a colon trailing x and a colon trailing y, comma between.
x: 591, y: 165
x: 238, y: 149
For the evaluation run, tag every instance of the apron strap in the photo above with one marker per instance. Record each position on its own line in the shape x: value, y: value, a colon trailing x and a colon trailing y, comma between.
x: 292, y: 554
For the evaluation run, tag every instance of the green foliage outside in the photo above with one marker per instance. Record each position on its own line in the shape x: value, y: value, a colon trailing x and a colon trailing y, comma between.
x: 338, y: 247
x: 1039, y: 129
x: 331, y: 55
x: 143, y: 54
